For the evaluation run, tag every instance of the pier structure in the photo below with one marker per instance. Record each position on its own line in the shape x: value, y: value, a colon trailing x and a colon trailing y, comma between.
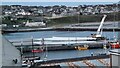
x: 73, y: 62
x: 115, y: 58
x: 104, y: 62
x: 88, y: 26
x: 61, y: 29
x: 89, y: 64
x: 11, y: 56
x: 27, y: 45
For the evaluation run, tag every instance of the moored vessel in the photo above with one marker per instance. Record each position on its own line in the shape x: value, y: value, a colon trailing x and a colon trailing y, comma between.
x: 115, y: 45
x: 37, y: 50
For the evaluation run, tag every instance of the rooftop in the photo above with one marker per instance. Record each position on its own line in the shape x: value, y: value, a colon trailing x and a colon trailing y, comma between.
x: 115, y: 52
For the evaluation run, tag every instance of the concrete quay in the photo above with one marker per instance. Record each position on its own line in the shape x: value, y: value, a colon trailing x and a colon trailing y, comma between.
x: 60, y: 29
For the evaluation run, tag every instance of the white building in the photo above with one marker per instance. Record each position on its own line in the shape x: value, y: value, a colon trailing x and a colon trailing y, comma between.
x: 23, y: 13
x: 33, y: 24
x: 115, y: 58
x: 7, y: 12
x: 56, y: 15
x: 9, y: 55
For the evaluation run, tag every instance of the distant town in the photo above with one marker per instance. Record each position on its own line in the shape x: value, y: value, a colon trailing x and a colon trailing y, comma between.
x: 34, y: 16
x: 59, y: 36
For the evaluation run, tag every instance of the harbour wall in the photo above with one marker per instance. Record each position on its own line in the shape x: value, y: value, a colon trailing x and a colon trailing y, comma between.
x: 61, y: 29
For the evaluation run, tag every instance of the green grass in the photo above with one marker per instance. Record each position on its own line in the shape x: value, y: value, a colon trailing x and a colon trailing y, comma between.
x: 83, y: 18
x: 69, y: 20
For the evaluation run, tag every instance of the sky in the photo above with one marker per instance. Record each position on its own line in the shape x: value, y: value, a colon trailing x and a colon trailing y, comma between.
x: 57, y: 2
x: 60, y: 0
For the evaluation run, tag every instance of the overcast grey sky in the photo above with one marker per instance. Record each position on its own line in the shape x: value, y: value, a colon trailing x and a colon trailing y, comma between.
x: 60, y: 0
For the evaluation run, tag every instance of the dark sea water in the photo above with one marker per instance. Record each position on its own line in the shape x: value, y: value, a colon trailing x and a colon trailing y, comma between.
x: 67, y: 53
x: 61, y: 54
x: 46, y: 34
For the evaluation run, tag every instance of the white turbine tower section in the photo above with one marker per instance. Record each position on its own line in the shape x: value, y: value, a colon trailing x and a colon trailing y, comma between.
x: 72, y: 40
x: 101, y: 24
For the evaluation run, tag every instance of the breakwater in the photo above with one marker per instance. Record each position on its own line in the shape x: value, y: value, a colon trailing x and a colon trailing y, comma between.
x: 60, y: 29
x: 70, y: 60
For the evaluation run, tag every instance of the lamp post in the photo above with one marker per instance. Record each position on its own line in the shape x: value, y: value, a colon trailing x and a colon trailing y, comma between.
x: 32, y: 48
x: 21, y: 51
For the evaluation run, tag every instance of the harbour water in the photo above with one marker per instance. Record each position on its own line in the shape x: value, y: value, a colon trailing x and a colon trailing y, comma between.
x: 67, y: 54
x: 61, y: 54
x: 49, y: 34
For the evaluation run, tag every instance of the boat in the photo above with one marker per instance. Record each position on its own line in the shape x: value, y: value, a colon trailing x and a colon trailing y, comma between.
x: 37, y: 50
x: 82, y: 48
x: 28, y: 63
x: 30, y: 58
x: 94, y: 38
x: 115, y: 44
x: 25, y: 65
x: 98, y: 54
x: 85, y: 47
